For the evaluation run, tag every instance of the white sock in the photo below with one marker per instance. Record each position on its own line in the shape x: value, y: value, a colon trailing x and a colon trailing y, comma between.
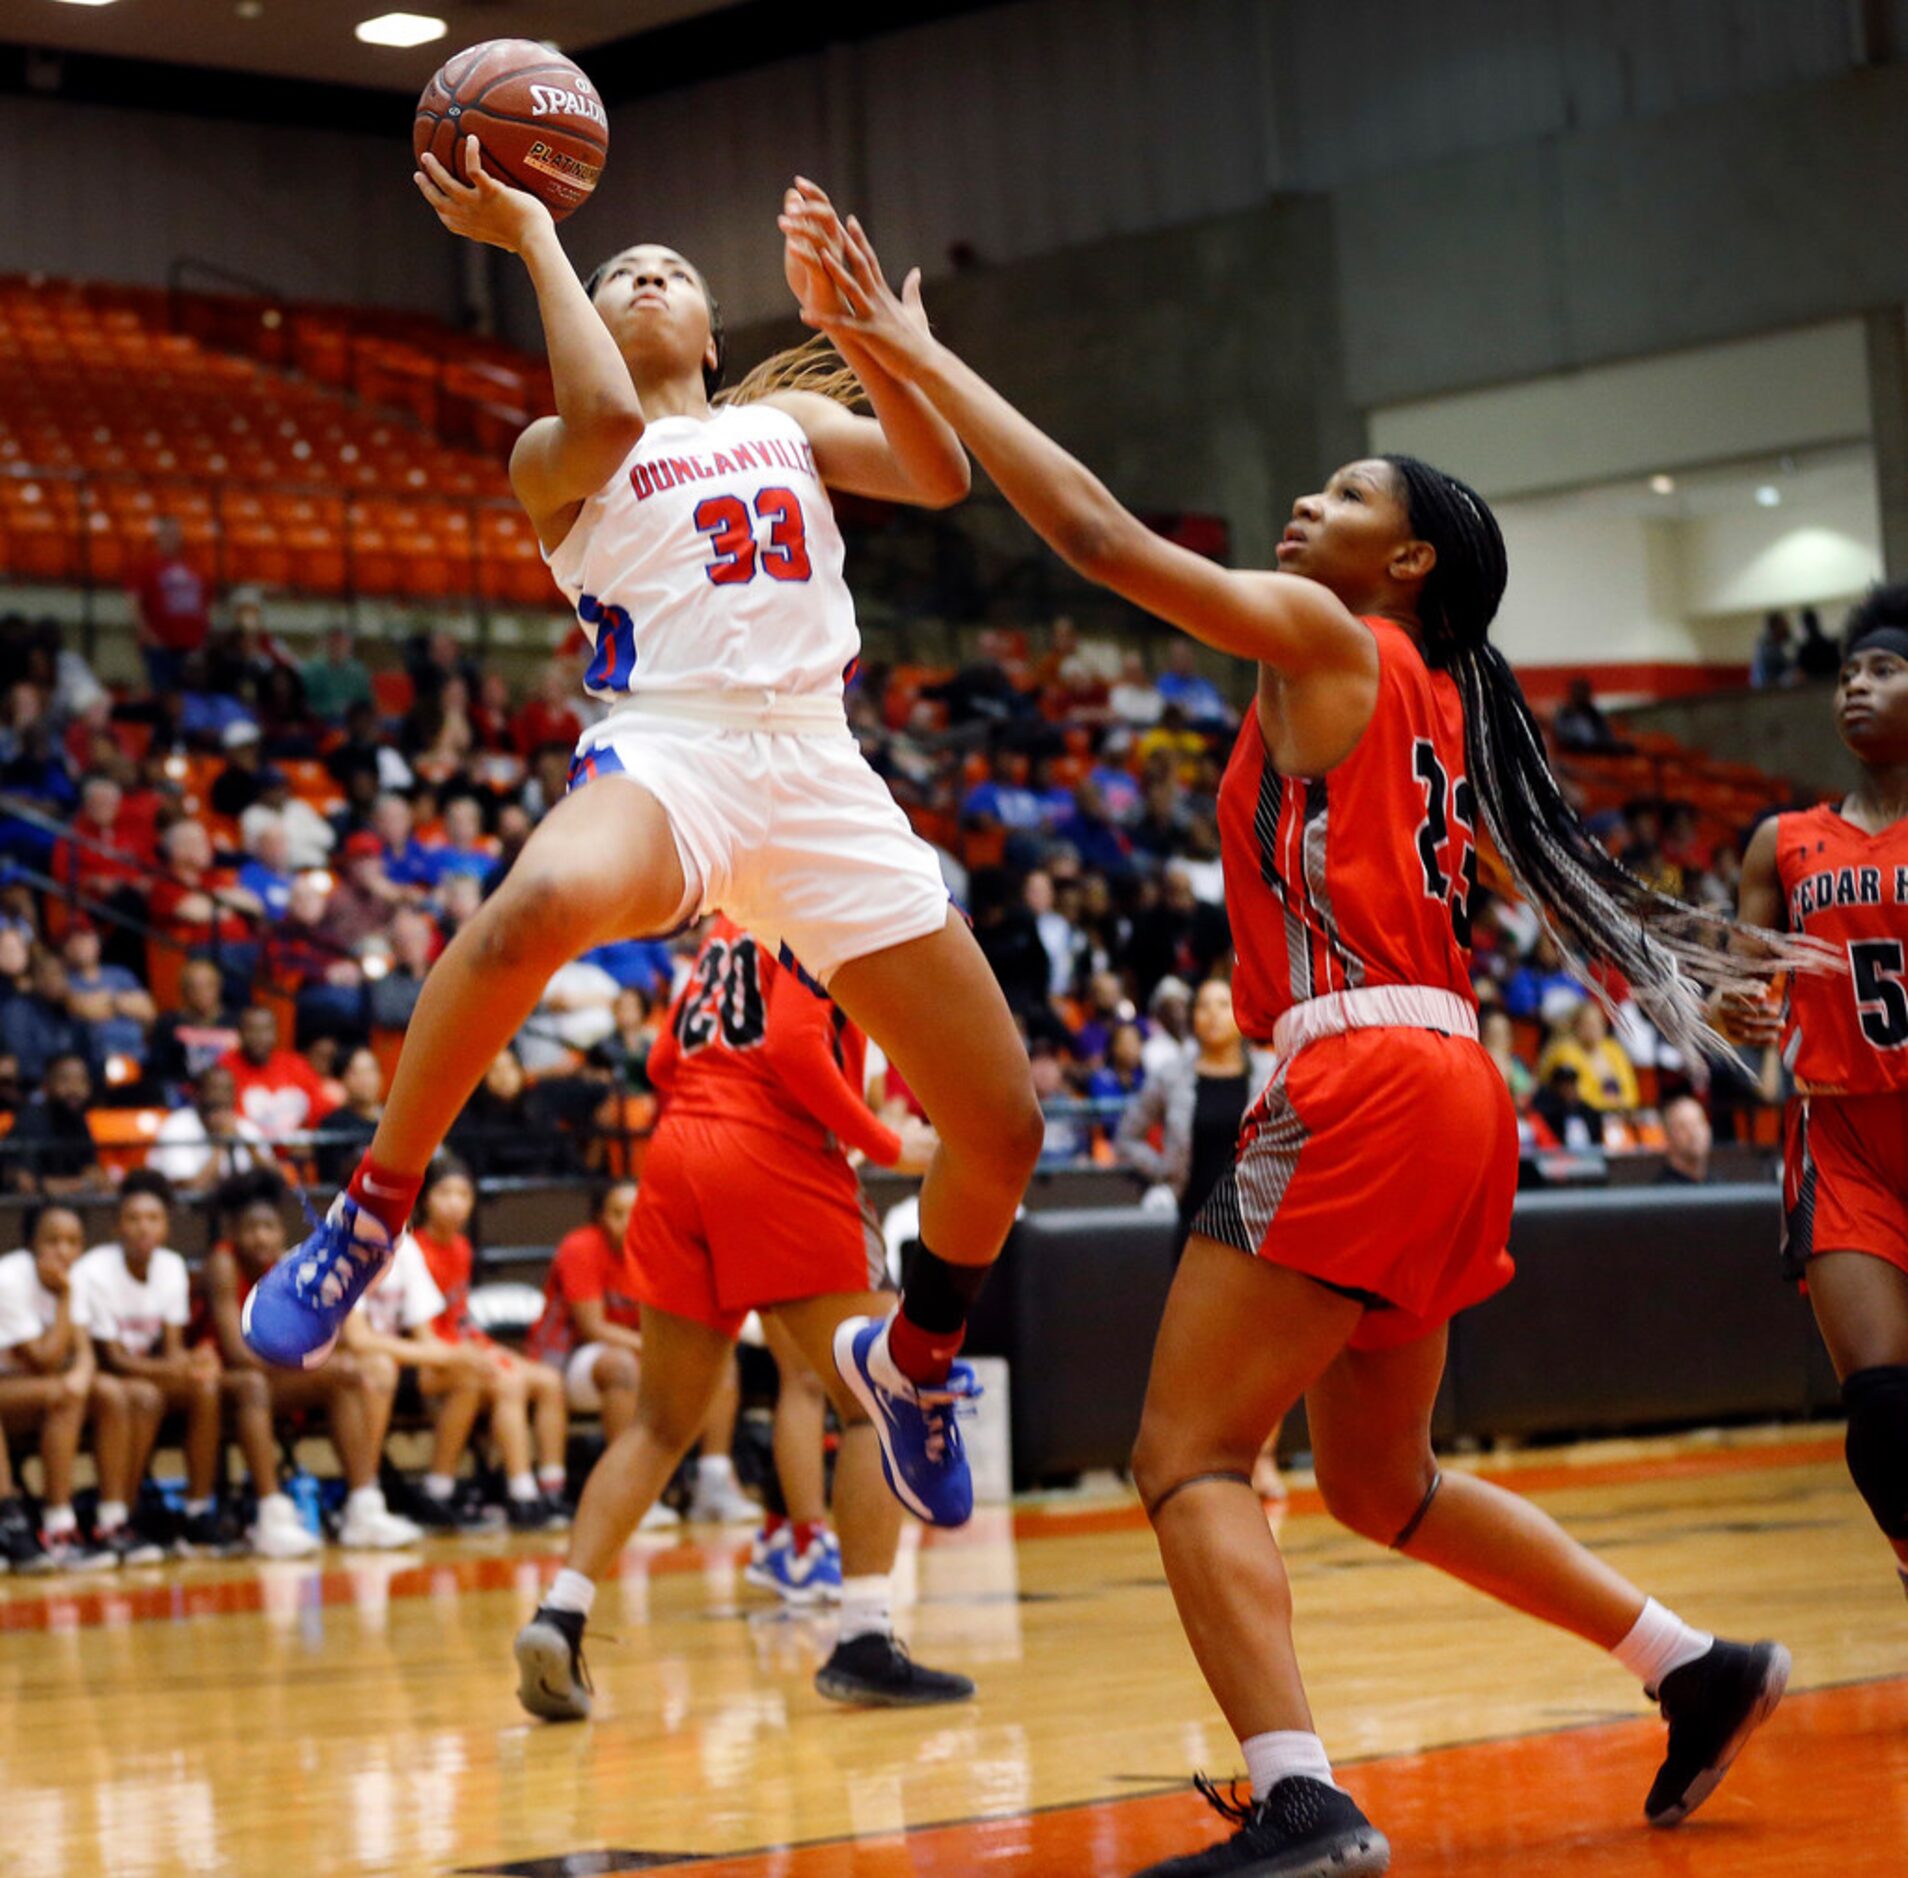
x: 439, y: 1486
x: 523, y: 1487
x: 197, y: 1509
x: 57, y: 1521
x: 111, y: 1515
x: 1659, y: 1643
x: 866, y: 1606
x: 714, y: 1470
x: 552, y: 1480
x: 572, y: 1592
x: 1270, y: 1758
x: 365, y: 1500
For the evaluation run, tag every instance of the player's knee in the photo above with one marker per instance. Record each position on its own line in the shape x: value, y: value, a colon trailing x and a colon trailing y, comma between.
x: 145, y: 1399
x: 616, y: 1370
x: 249, y: 1389
x: 523, y: 923
x: 1164, y: 1455
x: 75, y: 1387
x: 378, y: 1374
x: 1877, y: 1405
x: 1374, y: 1499
x: 1007, y: 1131
x: 344, y: 1369
x: 112, y: 1396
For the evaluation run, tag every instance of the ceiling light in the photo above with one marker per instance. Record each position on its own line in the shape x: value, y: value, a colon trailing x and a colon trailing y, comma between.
x: 1769, y: 496
x: 1663, y: 485
x: 86, y: 3
x: 401, y: 29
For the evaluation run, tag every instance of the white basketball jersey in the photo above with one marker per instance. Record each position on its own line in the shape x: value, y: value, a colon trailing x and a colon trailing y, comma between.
x: 712, y: 560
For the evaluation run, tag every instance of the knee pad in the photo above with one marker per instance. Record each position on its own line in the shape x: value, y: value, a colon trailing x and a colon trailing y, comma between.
x: 1877, y: 1404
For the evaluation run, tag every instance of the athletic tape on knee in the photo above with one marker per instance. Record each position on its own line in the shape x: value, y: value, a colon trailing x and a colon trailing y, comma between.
x: 1416, y: 1520
x: 1195, y: 1480
x: 1877, y: 1404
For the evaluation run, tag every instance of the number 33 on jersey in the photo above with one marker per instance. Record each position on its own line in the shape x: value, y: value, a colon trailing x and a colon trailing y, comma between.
x: 711, y: 561
x: 1847, y: 1036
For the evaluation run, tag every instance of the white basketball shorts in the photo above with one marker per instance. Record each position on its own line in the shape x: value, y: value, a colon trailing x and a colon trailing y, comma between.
x: 778, y: 820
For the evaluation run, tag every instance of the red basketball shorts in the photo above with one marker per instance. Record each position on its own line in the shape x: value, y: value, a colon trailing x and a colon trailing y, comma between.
x: 1845, y: 1179
x: 1382, y: 1163
x: 731, y: 1219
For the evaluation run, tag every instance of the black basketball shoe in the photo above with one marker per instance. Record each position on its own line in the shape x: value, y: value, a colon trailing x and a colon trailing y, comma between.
x: 20, y: 1547
x: 1303, y: 1828
x: 1713, y: 1706
x: 877, y: 1672
x: 553, y: 1681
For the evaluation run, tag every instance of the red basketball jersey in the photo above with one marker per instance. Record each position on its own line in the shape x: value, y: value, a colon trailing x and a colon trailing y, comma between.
x: 1363, y: 876
x: 1847, y: 1036
x: 754, y: 1039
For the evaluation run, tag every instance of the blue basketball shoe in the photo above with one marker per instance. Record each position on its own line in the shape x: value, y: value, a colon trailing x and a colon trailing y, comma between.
x: 292, y: 1316
x: 921, y: 1451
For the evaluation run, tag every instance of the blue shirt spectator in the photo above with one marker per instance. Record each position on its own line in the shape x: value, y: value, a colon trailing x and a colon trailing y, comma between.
x: 35, y: 1024
x: 1012, y: 805
x: 636, y: 964
x: 1196, y: 695
x: 271, y: 884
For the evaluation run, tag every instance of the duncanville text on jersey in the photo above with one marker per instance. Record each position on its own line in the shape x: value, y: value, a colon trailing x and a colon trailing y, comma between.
x: 766, y: 453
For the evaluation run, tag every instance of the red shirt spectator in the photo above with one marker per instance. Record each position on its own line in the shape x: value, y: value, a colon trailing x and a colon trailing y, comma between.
x: 588, y: 1264
x: 110, y: 846
x: 449, y: 1258
x: 196, y: 903
x: 279, y: 1093
x: 549, y: 717
x: 174, y: 607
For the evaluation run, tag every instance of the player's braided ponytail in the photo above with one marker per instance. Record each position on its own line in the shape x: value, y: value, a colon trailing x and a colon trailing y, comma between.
x: 1593, y: 906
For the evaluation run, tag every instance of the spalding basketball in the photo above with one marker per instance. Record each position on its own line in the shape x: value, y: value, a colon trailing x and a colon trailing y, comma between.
x: 538, y: 120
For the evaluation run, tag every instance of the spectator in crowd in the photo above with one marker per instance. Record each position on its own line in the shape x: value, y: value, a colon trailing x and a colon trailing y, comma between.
x: 1176, y: 740
x: 439, y: 737
x: 591, y: 1326
x: 408, y: 863
x: 1540, y: 987
x: 1560, y: 1105
x: 172, y: 607
x: 366, y: 757
x: 364, y: 900
x: 1169, y: 1011
x: 1175, y: 935
x: 12, y: 1095
x: 278, y: 1091
x: 198, y: 903
x: 1010, y: 941
x: 1058, y: 935
x: 549, y: 777
x: 38, y: 1024
x: 1135, y: 699
x: 517, y: 1390
x: 108, y: 849
x: 336, y: 679
x: 1069, y: 1137
x: 134, y: 1297
x: 1771, y: 663
x: 1816, y: 654
x: 574, y: 1014
x: 266, y: 873
x: 459, y: 898
x: 984, y: 690
x: 1580, y: 726
x: 624, y: 1053
x: 50, y: 1148
x: 348, y: 1129
x: 188, y: 1040
x: 507, y: 1129
x: 467, y: 849
x: 1182, y: 684
x: 1124, y: 1070
x: 550, y: 715
x: 411, y: 946
x: 302, y: 958
x: 1687, y: 1143
x: 490, y: 715
x: 309, y: 837
x: 354, y: 1391
x: 1498, y: 1034
x: 205, y: 1142
x: 1003, y: 800
x: 1107, y: 1007
x: 237, y: 786
x: 1605, y: 1076
x: 637, y: 965
x: 116, y: 1010
x: 1099, y: 841
x: 394, y: 1320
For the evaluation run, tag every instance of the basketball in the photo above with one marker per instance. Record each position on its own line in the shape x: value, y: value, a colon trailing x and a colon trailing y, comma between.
x: 540, y: 122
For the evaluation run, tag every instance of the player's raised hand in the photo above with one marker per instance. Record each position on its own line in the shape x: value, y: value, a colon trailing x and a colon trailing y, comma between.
x: 894, y: 328
x: 482, y: 209
x: 1746, y: 1017
x: 810, y: 229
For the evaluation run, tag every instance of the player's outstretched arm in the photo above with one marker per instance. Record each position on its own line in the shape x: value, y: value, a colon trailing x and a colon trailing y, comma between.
x: 1293, y: 625
x: 561, y: 460
x: 907, y: 452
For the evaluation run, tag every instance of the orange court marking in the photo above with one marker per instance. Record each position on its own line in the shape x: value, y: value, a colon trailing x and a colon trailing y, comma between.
x: 1822, y: 1792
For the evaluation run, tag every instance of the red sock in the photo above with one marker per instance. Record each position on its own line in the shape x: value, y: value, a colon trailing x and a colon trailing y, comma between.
x: 386, y: 1196
x: 772, y: 1523
x: 923, y: 1356
x: 803, y: 1532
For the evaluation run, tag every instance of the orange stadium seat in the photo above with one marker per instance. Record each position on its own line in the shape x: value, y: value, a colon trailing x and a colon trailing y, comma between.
x: 124, y: 1136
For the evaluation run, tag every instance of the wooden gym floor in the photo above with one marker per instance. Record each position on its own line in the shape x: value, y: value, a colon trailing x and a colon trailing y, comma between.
x: 360, y: 1717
